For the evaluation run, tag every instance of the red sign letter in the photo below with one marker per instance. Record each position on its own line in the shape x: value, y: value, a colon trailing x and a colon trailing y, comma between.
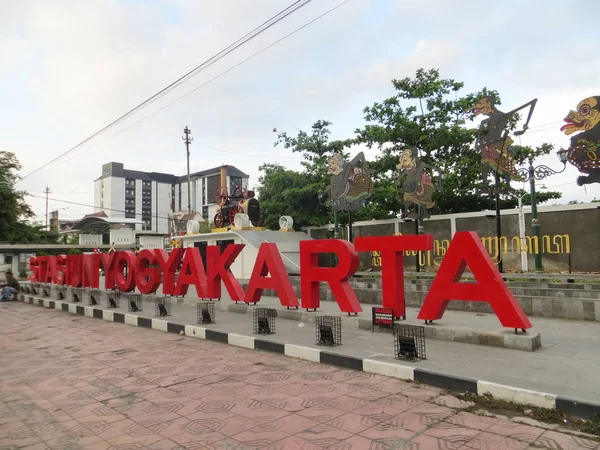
x: 337, y: 277
x: 90, y: 271
x: 60, y: 271
x: 122, y: 260
x: 392, y: 264
x: 467, y: 250
x: 169, y: 263
x: 74, y: 270
x: 108, y: 262
x: 218, y: 269
x: 147, y: 278
x: 34, y: 266
x: 268, y: 262
x: 192, y: 272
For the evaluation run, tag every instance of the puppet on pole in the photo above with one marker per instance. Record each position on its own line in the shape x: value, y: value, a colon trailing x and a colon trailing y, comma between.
x: 416, y: 183
x: 583, y: 151
x: 494, y: 140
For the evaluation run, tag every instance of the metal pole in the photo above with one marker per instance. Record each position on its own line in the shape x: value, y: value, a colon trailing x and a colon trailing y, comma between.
x: 498, y: 223
x: 47, y: 191
x: 188, y: 139
x: 418, y: 231
x: 336, y: 225
x: 535, y: 223
x: 523, y: 247
x: 350, y: 226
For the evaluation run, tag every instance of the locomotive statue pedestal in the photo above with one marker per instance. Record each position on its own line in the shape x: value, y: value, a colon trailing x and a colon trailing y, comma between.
x: 240, y: 210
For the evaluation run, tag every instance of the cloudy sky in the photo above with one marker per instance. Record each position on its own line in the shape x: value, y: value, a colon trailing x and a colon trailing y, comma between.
x: 70, y: 67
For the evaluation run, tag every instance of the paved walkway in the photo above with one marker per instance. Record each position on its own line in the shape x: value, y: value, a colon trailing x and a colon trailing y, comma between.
x: 566, y: 365
x: 69, y: 382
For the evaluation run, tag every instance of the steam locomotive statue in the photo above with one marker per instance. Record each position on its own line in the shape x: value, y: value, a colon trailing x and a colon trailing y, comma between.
x: 241, y: 201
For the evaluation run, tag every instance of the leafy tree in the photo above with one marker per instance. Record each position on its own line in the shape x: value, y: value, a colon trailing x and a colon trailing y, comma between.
x: 14, y: 210
x: 297, y: 194
x: 428, y: 113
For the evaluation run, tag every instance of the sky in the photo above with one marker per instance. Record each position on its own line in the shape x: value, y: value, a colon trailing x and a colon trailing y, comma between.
x: 70, y: 67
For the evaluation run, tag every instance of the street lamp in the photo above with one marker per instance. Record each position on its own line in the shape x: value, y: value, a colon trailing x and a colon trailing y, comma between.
x: 539, y: 173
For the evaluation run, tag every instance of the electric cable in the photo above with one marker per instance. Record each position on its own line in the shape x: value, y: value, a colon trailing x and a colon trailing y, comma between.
x: 248, y: 37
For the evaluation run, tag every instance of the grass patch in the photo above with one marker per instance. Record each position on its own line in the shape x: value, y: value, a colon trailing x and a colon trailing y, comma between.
x: 511, y: 409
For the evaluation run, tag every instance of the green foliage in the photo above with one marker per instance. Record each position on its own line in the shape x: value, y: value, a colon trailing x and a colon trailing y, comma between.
x: 427, y: 112
x: 296, y: 194
x: 285, y: 192
x: 14, y: 210
x: 74, y: 251
x: 22, y: 273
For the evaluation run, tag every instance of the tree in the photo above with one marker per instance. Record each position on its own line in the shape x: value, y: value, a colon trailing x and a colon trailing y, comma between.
x: 14, y: 210
x: 296, y: 194
x: 428, y: 113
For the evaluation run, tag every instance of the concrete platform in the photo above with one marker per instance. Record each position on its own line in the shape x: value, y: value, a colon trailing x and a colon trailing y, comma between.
x: 562, y: 374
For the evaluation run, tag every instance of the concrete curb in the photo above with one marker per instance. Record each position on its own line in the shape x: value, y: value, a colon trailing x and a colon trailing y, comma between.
x: 573, y: 407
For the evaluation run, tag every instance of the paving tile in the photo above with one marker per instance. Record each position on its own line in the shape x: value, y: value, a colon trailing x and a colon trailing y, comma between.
x: 322, y: 413
x: 516, y: 431
x: 139, y: 389
x: 559, y: 441
x: 324, y: 435
x: 489, y: 441
x: 474, y: 421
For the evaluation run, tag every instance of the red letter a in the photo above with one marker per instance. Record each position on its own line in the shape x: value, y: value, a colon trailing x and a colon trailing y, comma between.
x: 311, y: 274
x: 218, y: 269
x: 268, y: 262
x: 191, y: 273
x: 467, y: 250
x: 392, y: 264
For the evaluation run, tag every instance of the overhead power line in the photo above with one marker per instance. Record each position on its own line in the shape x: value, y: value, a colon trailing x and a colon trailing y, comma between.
x: 215, y: 78
x: 237, y: 44
x: 92, y: 206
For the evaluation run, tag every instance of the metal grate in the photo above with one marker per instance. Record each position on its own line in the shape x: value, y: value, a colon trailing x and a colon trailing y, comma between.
x: 61, y: 292
x: 113, y: 299
x: 329, y: 330
x: 162, y: 306
x: 263, y: 320
x: 205, y: 312
x: 76, y: 295
x: 94, y: 297
x: 46, y: 290
x: 34, y: 288
x: 135, y: 303
x: 409, y: 342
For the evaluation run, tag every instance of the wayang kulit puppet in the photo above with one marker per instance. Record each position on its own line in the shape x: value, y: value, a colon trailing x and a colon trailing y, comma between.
x: 583, y: 151
x: 416, y: 183
x: 494, y: 141
x: 350, y: 182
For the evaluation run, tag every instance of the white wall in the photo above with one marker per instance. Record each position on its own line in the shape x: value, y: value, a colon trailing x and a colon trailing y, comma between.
x: 151, y: 242
x: 138, y: 203
x: 184, y: 197
x: 97, y: 195
x: 164, y: 207
x: 90, y: 239
x: 125, y: 236
x: 114, y: 196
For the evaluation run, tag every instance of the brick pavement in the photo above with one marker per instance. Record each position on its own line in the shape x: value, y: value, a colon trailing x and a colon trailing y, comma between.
x: 69, y: 382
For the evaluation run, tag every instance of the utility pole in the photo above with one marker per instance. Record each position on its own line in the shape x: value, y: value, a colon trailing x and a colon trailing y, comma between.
x: 47, y: 191
x: 188, y: 140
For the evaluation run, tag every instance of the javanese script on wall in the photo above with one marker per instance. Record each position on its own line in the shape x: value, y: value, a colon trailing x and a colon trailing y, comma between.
x: 556, y: 244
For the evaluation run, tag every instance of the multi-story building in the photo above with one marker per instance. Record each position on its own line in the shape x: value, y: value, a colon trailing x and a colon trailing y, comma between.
x: 153, y: 197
